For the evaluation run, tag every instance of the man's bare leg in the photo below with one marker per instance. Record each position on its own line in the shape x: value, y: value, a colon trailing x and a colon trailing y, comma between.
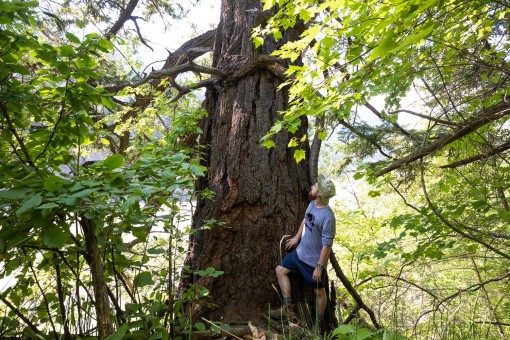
x: 282, y: 274
x: 284, y: 312
x: 322, y: 300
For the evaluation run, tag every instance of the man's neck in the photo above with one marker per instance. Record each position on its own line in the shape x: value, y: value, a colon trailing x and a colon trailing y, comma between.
x: 318, y: 202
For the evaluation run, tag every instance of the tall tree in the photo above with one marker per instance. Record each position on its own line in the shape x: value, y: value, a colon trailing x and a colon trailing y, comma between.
x: 260, y: 194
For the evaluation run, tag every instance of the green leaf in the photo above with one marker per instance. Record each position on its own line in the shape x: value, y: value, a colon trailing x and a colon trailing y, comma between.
x: 107, y: 45
x: 14, y: 194
x: 305, y: 14
x: 156, y: 251
x: 144, y: 279
x: 50, y: 205
x: 363, y: 333
x: 358, y: 175
x: 119, y: 334
x: 293, y: 142
x: 374, y: 193
x: 199, y: 326
x: 415, y: 37
x: 107, y: 102
x: 481, y: 204
x: 53, y: 183
x: 258, y: 41
x: 197, y: 170
x: 72, y: 38
x: 268, y: 4
x: 343, y: 329
x: 113, y: 162
x: 140, y: 233
x: 83, y: 193
x: 299, y: 155
x: 54, y: 237
x: 268, y: 143
x: 29, y: 204
x: 63, y: 68
x: 66, y: 50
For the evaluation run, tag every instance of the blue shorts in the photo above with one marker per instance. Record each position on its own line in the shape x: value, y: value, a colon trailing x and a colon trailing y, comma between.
x: 292, y: 262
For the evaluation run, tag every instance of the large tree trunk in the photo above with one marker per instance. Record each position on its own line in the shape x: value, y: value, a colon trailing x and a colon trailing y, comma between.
x: 261, y: 194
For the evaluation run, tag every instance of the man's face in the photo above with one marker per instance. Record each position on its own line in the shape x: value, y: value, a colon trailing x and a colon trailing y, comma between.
x: 314, y: 191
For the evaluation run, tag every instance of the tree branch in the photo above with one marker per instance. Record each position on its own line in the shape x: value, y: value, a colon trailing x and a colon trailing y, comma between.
x: 471, y: 288
x: 315, y: 149
x: 365, y: 137
x: 498, y: 149
x: 437, y: 120
x: 123, y: 17
x: 400, y: 279
x: 186, y: 53
x: 492, y: 114
x: 45, y: 298
x: 489, y: 303
x: 454, y: 228
x: 170, y: 72
x: 379, y: 115
x: 12, y: 129
x: 352, y: 291
x: 140, y: 33
x: 20, y: 315
x: 490, y: 233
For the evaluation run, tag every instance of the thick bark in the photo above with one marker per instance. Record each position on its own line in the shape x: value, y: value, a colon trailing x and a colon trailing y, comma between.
x: 261, y: 194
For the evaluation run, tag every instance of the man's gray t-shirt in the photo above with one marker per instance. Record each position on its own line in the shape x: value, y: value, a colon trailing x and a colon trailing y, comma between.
x: 319, y: 231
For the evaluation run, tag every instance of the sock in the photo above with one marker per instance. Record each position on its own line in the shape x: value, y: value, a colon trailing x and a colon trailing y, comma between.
x: 287, y: 300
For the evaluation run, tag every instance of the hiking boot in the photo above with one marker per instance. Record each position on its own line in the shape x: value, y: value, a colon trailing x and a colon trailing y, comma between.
x: 285, y: 312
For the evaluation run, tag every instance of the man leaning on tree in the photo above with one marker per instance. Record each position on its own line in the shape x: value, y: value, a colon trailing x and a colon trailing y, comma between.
x: 313, y: 240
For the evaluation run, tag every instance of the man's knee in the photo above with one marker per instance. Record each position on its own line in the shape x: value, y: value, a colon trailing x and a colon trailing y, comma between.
x: 281, y: 271
x: 321, y: 292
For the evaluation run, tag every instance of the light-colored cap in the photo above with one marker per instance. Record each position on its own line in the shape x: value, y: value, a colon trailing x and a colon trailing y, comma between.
x: 326, y: 189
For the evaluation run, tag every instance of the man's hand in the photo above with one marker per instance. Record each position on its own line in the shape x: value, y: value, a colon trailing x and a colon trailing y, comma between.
x: 292, y: 242
x: 317, y: 273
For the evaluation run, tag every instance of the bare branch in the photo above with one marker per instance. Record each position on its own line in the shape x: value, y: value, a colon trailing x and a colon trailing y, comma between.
x: 188, y: 52
x: 123, y: 17
x: 379, y: 115
x: 400, y: 279
x: 352, y: 291
x: 498, y: 149
x: 437, y: 120
x: 490, y: 233
x: 471, y: 288
x: 489, y: 303
x: 171, y: 72
x: 140, y: 33
x: 492, y: 114
x: 368, y: 138
x: 183, y: 90
x: 19, y: 314
x: 403, y: 198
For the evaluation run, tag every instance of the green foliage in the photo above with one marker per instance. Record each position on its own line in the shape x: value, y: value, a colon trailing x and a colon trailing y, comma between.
x: 134, y: 190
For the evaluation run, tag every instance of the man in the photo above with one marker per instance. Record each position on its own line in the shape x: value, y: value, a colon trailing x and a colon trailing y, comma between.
x: 313, y: 240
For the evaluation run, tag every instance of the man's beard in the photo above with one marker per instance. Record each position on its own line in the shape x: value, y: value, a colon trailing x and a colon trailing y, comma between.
x: 312, y: 195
